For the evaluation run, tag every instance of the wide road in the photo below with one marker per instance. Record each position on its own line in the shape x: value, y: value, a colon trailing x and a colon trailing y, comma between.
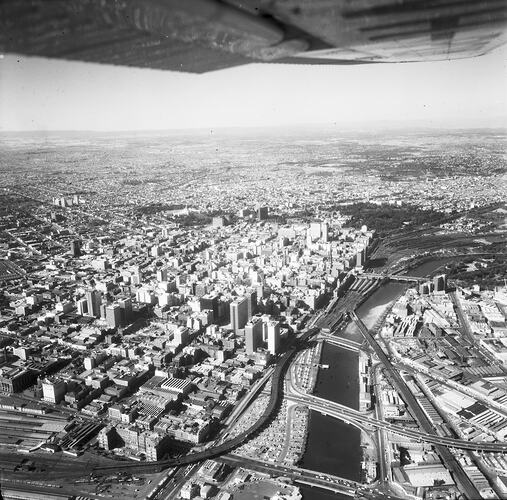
x: 360, y: 419
x: 462, y: 480
x: 252, y: 393
x: 341, y: 342
x: 394, y: 277
x: 312, y: 478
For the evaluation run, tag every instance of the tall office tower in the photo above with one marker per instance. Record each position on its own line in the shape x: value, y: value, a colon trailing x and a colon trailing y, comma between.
x: 251, y: 298
x: 75, y: 248
x: 164, y: 299
x: 239, y: 313
x: 253, y: 336
x: 324, y: 232
x: 136, y: 275
x: 273, y: 337
x: 53, y: 391
x: 103, y: 311
x: 309, y: 240
x: 125, y: 310
x: 224, y: 310
x: 82, y: 306
x: 262, y: 213
x: 146, y: 296
x: 265, y: 319
x: 156, y: 251
x: 181, y: 336
x: 94, y: 300
x: 315, y: 230
x: 162, y: 274
x: 254, y: 276
x: 210, y: 302
x: 113, y: 315
x: 440, y: 283
x: 360, y: 257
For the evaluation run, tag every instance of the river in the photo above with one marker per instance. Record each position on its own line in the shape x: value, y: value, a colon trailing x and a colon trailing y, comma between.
x: 333, y: 446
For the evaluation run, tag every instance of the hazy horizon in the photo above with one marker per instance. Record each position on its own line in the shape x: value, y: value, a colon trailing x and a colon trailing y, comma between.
x: 55, y: 95
x: 375, y: 128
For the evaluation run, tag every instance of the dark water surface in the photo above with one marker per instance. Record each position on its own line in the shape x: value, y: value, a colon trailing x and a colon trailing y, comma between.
x: 334, y: 446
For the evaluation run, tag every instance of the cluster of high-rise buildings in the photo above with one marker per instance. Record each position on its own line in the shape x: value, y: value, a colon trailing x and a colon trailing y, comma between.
x: 112, y: 326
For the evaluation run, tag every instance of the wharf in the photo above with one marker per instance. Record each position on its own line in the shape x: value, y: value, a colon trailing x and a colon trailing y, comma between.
x: 314, y: 370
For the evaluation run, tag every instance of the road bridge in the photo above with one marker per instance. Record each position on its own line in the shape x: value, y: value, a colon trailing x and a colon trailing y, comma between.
x: 394, y: 277
x: 359, y: 419
x: 341, y: 342
x: 313, y: 478
x: 245, y: 402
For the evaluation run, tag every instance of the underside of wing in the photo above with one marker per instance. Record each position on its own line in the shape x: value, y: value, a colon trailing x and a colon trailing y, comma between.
x: 204, y: 35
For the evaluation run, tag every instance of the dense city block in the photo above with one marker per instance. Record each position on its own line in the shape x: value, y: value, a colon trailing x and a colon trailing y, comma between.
x: 168, y: 302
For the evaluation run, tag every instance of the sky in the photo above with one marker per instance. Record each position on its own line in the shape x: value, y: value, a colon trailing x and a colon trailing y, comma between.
x: 42, y: 95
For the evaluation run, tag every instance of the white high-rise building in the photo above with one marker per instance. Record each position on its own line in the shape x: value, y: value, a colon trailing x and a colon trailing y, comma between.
x: 113, y: 315
x: 324, y: 232
x: 239, y: 313
x: 53, y: 391
x: 273, y: 337
x: 94, y: 300
x: 315, y: 230
x: 82, y: 306
x: 253, y: 335
x: 162, y: 274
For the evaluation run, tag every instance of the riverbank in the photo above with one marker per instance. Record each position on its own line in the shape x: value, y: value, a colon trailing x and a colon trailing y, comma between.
x: 368, y: 446
x: 305, y: 371
x: 333, y: 446
x: 307, y: 367
x: 364, y: 381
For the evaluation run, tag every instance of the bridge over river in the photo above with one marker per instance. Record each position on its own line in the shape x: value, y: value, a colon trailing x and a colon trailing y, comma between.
x: 395, y: 277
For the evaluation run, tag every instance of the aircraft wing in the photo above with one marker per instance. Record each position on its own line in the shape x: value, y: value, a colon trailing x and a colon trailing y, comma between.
x: 204, y: 35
